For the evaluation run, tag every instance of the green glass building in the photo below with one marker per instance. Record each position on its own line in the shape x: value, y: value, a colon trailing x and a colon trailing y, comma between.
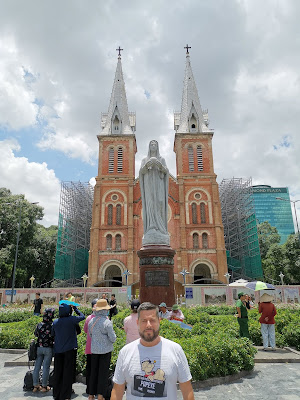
x: 277, y: 212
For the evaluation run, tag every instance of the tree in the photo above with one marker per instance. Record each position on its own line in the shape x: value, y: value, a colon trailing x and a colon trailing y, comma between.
x: 36, y: 252
x: 267, y: 235
x: 274, y: 262
x: 292, y: 254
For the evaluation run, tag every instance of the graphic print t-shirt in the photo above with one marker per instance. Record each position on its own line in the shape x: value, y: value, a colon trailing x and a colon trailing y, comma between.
x: 152, y: 371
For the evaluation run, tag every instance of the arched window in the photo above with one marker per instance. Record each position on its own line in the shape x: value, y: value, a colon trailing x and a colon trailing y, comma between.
x: 204, y: 241
x: 120, y: 159
x: 195, y: 241
x: 109, y: 214
x: 108, y: 242
x: 191, y: 158
x: 199, y: 158
x: 118, y: 242
x: 118, y: 214
x: 111, y: 160
x: 194, y: 213
x: 202, y: 213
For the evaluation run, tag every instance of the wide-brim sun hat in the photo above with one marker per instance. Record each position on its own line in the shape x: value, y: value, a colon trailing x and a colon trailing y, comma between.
x: 162, y: 305
x: 102, y: 305
x: 175, y: 307
x: 265, y: 298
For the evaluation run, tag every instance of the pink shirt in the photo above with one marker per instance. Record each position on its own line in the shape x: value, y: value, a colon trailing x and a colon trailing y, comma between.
x: 88, y: 338
x: 131, y: 328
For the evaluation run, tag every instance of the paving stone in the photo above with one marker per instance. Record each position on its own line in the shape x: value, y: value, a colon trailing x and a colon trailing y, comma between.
x: 270, y: 381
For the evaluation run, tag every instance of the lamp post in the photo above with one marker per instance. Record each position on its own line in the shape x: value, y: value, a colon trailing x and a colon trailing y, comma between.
x: 32, y: 279
x: 85, y: 278
x: 227, y: 276
x: 281, y: 276
x: 19, y: 202
x: 295, y: 211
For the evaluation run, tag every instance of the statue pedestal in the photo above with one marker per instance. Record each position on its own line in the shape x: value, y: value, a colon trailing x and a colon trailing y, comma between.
x: 157, y: 274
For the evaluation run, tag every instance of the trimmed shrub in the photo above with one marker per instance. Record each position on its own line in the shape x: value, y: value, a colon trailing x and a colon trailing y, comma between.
x: 212, y: 347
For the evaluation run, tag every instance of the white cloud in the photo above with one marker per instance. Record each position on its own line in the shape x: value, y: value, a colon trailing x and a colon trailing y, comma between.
x: 244, y: 56
x: 34, y: 180
x: 17, y: 108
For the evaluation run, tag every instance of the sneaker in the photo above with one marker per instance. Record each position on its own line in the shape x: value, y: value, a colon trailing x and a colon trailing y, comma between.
x: 273, y: 348
x: 265, y: 349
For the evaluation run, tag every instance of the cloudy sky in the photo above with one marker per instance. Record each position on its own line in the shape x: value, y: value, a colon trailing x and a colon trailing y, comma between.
x: 57, y: 65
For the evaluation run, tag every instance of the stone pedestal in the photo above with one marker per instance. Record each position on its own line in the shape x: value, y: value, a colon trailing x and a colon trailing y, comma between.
x: 157, y: 274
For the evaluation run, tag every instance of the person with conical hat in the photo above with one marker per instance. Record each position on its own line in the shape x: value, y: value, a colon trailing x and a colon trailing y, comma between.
x: 242, y: 315
x: 103, y: 336
x: 267, y: 322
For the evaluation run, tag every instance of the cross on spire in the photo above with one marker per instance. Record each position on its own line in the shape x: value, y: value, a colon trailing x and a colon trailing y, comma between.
x: 119, y: 50
x: 187, y: 47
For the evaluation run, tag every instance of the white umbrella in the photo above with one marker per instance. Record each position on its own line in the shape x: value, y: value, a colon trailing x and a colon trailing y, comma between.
x: 239, y: 282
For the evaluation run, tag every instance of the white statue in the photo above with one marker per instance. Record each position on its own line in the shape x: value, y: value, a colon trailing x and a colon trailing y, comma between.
x: 154, y: 185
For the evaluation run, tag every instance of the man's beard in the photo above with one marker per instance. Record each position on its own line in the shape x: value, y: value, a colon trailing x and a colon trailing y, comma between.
x: 149, y: 335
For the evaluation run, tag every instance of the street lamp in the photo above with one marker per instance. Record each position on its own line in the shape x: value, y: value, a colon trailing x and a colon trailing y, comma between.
x: 85, y: 278
x: 184, y: 272
x: 281, y: 276
x: 227, y: 276
x: 294, y: 202
x: 19, y: 202
x: 32, y: 279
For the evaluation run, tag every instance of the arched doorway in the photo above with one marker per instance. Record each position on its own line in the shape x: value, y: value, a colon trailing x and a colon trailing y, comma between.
x: 113, y: 275
x: 202, y: 271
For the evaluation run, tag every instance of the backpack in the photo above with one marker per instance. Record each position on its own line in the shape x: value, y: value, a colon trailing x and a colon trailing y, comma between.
x: 32, y: 351
x: 28, y: 381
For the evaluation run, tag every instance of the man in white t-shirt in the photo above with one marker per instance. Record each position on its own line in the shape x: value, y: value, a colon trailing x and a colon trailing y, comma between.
x: 152, y: 365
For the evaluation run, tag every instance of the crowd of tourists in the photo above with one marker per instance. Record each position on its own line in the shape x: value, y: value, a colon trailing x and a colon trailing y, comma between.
x: 148, y: 364
x: 149, y: 377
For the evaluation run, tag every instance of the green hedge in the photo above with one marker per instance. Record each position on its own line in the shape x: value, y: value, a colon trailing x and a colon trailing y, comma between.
x: 213, y: 347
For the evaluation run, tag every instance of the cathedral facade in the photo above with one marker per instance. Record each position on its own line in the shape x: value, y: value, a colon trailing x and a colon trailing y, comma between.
x: 194, y: 210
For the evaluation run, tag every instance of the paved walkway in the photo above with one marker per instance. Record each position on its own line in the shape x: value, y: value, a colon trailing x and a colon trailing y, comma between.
x: 268, y: 381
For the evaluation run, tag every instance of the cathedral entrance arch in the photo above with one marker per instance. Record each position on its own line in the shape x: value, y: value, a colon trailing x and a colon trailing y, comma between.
x: 111, y: 273
x: 113, y: 276
x: 202, y: 271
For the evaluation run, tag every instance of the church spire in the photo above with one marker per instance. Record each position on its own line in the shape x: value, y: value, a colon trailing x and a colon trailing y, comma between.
x: 118, y: 120
x: 191, y: 119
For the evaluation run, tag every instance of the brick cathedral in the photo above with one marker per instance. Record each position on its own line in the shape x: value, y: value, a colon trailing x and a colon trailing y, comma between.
x: 194, y: 210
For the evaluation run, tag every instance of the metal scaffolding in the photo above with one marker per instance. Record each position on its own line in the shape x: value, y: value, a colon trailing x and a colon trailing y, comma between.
x: 240, y: 230
x: 74, y: 224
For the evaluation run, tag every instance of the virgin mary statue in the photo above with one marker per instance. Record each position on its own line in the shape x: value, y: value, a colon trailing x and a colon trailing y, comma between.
x: 154, y: 185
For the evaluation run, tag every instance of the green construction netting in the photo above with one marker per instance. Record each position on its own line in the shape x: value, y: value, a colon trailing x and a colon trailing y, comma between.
x: 69, y: 263
x: 248, y: 264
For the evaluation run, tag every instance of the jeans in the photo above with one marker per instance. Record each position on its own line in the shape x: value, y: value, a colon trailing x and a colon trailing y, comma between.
x: 44, y: 356
x: 268, y: 335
